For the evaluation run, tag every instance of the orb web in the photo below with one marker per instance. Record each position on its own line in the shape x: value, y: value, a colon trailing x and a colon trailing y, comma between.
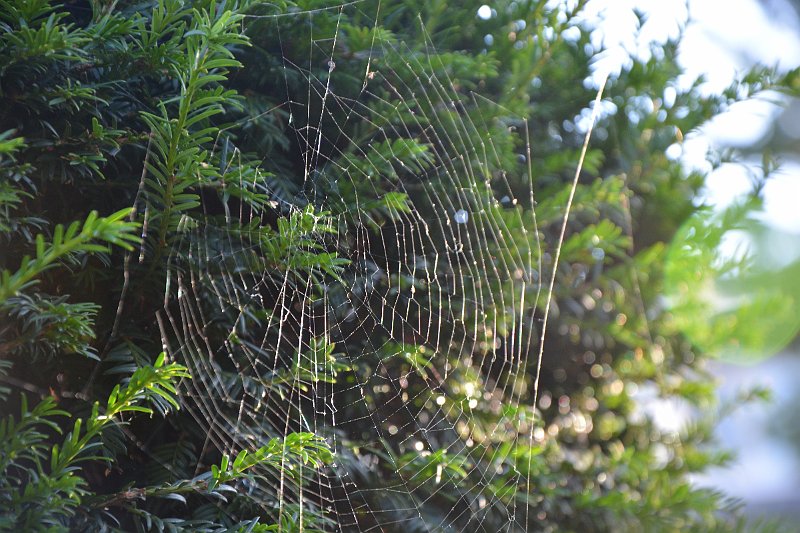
x: 389, y: 296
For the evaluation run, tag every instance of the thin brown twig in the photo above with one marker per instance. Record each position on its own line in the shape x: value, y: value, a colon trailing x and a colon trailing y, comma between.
x: 126, y: 274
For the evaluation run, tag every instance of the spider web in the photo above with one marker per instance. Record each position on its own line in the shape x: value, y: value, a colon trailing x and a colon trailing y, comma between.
x: 413, y: 359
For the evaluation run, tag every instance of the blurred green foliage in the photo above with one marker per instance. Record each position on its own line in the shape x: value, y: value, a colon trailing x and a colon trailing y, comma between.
x: 730, y: 293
